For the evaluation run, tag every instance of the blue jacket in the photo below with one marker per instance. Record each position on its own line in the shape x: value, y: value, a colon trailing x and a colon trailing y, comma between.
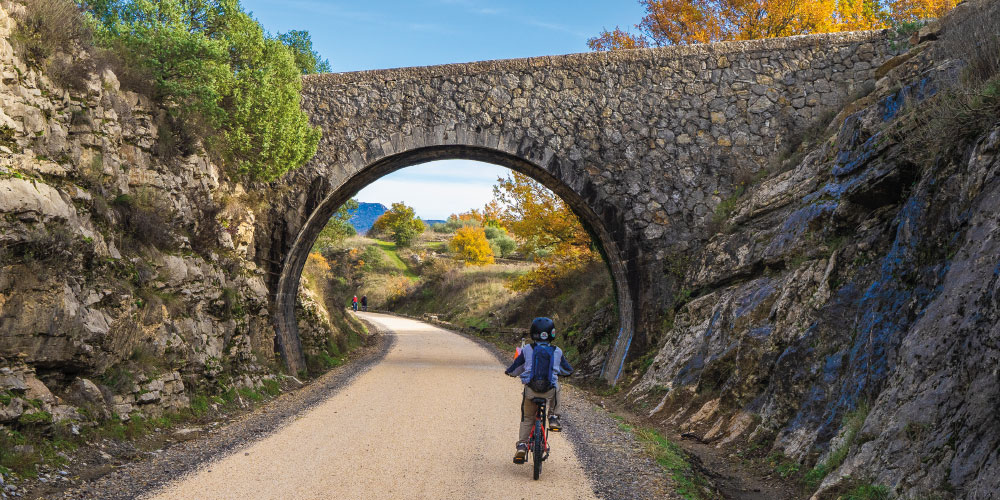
x: 522, y: 365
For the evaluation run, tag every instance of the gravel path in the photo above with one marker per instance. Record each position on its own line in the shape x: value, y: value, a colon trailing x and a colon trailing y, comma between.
x: 363, y: 431
x: 616, y: 463
x: 435, y: 419
x: 131, y: 480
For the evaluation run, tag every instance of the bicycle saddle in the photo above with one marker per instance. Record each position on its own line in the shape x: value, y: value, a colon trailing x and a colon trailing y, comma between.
x: 538, y: 401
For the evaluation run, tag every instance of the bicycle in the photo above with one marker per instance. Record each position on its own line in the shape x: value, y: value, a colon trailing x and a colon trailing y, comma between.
x: 538, y: 440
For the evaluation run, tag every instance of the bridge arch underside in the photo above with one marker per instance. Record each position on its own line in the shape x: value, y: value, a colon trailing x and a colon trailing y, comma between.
x: 607, y: 232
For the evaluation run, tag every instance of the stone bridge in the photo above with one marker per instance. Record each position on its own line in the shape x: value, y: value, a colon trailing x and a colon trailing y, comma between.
x: 641, y: 144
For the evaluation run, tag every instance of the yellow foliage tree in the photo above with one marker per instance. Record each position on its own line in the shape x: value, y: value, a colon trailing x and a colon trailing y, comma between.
x: 675, y: 22
x: 470, y: 244
x: 399, y: 223
x: 546, y: 227
x: 319, y: 262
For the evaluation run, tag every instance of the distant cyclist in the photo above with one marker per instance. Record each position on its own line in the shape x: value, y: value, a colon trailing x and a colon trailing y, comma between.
x: 364, y: 302
x: 354, y: 303
x: 539, y: 366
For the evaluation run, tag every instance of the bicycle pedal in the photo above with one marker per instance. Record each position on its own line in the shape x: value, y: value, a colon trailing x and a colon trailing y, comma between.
x: 520, y: 460
x: 555, y: 429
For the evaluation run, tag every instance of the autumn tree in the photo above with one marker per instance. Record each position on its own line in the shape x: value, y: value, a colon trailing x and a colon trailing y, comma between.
x: 677, y: 22
x: 470, y: 245
x: 400, y: 224
x: 546, y: 227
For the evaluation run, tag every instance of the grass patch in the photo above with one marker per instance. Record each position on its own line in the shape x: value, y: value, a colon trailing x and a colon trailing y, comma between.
x: 852, y: 425
x: 690, y: 484
x: 719, y: 221
x: 782, y: 465
x: 389, y: 249
x: 867, y: 492
x: 35, y: 418
x: 22, y: 451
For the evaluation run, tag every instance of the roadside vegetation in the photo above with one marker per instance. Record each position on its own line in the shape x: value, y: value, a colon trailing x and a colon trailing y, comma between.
x: 690, y: 484
x: 228, y: 87
x: 221, y: 86
x: 32, y: 449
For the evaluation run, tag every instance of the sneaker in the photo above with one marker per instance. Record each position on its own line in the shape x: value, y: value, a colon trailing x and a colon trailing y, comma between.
x: 554, y: 424
x: 521, y: 454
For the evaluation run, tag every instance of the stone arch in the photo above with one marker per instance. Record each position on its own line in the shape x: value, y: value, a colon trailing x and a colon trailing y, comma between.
x: 643, y: 143
x: 544, y: 166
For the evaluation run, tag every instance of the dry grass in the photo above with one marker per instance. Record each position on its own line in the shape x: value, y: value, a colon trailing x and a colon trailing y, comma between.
x: 47, y: 35
x: 949, y: 121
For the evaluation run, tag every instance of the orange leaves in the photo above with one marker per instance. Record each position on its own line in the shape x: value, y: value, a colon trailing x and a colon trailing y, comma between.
x: 319, y: 262
x: 912, y: 10
x: 546, y: 227
x: 617, y: 40
x: 553, y: 268
x: 676, y: 22
x: 537, y: 216
x: 470, y: 244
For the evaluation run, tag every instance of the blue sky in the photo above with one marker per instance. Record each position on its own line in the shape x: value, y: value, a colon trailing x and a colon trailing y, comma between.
x: 360, y: 35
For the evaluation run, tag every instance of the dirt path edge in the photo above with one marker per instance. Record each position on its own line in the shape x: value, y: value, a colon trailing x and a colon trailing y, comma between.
x: 140, y: 478
x: 617, y: 464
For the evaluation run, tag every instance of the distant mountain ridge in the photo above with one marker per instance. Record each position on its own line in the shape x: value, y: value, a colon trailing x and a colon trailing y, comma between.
x: 365, y: 215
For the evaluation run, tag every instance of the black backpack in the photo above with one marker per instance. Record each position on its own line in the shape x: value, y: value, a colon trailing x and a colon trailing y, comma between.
x: 541, y: 367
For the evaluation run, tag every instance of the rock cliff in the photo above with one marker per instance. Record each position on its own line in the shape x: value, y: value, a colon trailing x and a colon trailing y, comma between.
x: 844, y: 318
x: 127, y: 272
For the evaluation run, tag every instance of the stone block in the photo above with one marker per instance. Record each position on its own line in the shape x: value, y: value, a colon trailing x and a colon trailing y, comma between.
x: 149, y: 397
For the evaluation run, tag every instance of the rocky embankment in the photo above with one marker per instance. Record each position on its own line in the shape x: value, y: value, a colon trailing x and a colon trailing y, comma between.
x: 127, y: 273
x: 844, y: 320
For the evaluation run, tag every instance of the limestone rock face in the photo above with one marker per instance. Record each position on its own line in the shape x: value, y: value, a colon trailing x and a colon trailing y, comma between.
x: 127, y: 277
x: 83, y: 391
x: 849, y: 307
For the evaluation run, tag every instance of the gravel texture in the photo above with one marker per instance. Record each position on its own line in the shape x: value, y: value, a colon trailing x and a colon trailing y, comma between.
x: 380, y: 427
x: 435, y: 419
x: 131, y: 480
x: 616, y: 463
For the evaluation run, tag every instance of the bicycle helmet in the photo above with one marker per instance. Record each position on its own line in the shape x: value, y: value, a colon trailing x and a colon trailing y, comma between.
x: 543, y: 329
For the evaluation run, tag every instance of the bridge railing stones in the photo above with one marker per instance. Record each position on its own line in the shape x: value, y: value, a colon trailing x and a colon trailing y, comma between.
x: 642, y: 144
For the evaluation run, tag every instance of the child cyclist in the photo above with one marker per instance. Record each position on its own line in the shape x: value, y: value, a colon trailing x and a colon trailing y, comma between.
x: 539, y: 366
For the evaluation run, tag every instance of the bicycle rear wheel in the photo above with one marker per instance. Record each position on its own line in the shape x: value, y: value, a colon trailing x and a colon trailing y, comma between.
x: 538, y: 448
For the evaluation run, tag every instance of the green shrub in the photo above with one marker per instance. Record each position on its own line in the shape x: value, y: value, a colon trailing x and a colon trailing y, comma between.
x: 373, y: 259
x: 400, y: 224
x: 868, y: 492
x: 454, y: 224
x: 502, y: 244
x: 219, y: 75
x: 271, y: 387
x: 337, y: 228
x: 36, y: 418
x: 199, y: 405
